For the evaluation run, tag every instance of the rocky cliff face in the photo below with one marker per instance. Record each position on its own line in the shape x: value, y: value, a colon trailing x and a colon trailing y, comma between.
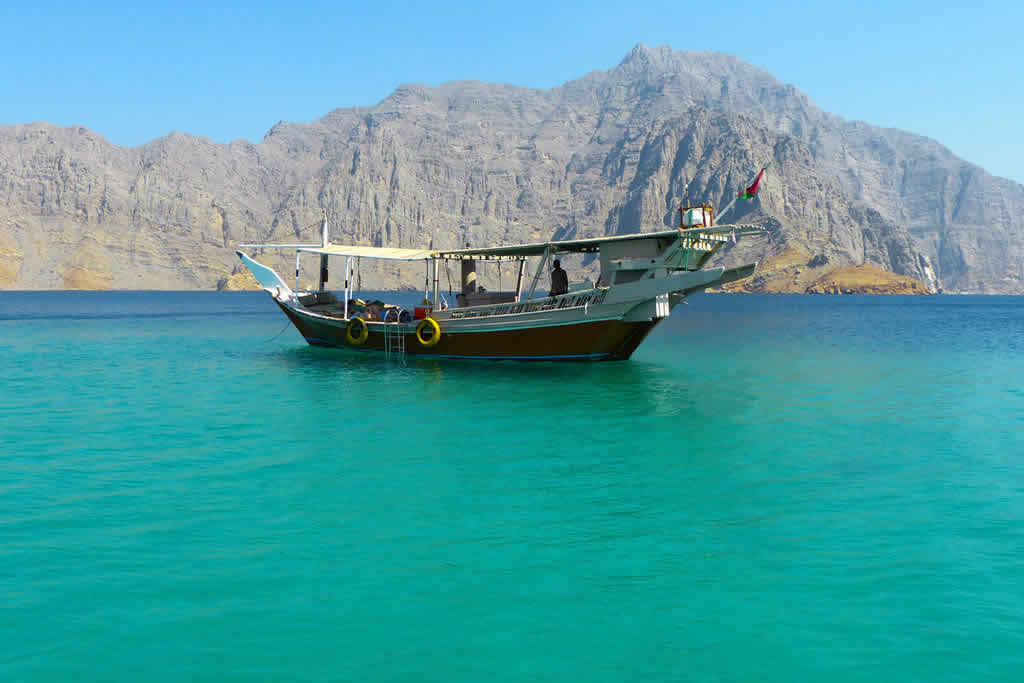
x: 472, y: 163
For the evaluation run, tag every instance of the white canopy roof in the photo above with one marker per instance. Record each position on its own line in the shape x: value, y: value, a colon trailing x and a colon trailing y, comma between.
x: 389, y: 253
x: 517, y: 251
x: 591, y: 244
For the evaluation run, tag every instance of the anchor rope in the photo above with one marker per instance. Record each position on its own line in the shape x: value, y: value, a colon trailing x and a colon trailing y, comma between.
x: 286, y: 326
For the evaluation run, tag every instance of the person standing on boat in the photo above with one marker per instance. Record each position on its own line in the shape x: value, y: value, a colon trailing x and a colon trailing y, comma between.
x: 559, y: 280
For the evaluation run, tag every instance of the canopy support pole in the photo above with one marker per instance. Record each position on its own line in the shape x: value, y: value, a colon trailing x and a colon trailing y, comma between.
x: 437, y: 265
x: 297, y: 270
x: 323, y: 271
x: 540, y: 269
x: 348, y: 275
x: 519, y: 278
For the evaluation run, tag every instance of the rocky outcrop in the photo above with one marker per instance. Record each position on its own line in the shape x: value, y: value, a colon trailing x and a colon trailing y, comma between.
x: 11, y: 259
x: 471, y: 163
x: 240, y: 280
x: 865, y: 279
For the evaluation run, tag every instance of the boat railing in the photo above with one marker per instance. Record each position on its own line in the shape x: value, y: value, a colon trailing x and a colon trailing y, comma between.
x: 571, y: 300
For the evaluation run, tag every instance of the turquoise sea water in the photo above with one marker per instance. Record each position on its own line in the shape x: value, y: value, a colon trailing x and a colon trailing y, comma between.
x: 774, y: 489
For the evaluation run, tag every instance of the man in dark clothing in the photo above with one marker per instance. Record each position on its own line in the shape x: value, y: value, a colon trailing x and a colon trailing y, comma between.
x: 559, y: 280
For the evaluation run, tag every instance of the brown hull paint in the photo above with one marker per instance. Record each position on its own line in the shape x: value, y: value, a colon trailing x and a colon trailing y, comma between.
x: 600, y: 340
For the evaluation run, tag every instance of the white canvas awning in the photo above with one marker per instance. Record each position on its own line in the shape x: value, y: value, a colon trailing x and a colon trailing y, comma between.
x: 388, y: 253
x: 592, y: 244
x: 517, y: 251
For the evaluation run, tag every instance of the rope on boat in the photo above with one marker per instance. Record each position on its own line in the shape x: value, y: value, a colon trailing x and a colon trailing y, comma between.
x: 286, y: 326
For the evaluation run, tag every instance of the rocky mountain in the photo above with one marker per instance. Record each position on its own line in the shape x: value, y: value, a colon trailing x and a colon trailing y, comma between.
x: 614, y: 152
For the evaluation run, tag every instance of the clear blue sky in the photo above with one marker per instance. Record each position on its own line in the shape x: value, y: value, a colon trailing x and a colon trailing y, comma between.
x: 137, y: 71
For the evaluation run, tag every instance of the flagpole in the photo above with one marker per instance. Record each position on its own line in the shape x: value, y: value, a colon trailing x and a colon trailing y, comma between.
x: 718, y: 218
x: 730, y: 205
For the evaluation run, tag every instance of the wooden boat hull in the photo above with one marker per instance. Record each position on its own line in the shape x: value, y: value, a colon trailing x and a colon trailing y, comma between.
x: 585, y: 340
x: 588, y: 323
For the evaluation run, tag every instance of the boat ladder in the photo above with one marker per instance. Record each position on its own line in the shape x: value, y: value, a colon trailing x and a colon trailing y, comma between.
x: 394, y: 340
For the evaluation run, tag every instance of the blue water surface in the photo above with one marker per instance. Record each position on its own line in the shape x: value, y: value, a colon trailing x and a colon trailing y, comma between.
x: 774, y: 488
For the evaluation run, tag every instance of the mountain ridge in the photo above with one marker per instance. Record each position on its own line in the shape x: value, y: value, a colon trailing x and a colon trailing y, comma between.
x: 612, y: 152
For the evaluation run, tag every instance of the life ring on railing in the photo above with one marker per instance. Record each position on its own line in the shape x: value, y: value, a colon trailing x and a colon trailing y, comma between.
x: 356, y: 332
x: 434, y: 335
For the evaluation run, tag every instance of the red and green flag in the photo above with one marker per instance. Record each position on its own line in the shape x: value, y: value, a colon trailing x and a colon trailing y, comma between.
x: 751, y: 191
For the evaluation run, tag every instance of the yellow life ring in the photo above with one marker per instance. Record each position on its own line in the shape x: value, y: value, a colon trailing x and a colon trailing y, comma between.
x: 356, y: 332
x: 435, y: 333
